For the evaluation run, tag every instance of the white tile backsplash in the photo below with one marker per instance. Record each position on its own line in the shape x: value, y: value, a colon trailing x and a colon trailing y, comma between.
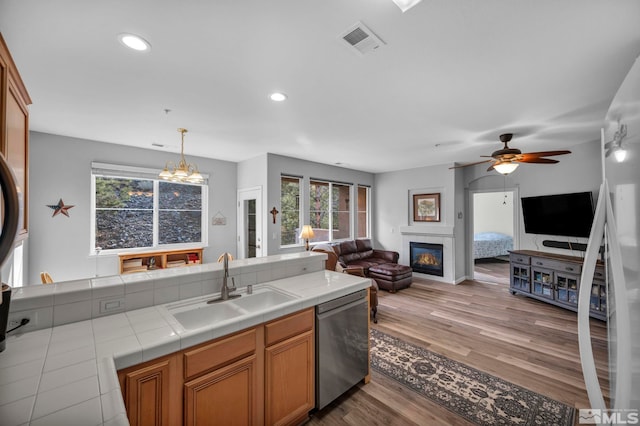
x: 142, y: 299
x: 189, y: 290
x: 72, y: 312
x: 69, y: 302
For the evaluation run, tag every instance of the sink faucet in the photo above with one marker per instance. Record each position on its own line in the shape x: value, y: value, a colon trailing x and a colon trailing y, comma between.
x: 224, y: 292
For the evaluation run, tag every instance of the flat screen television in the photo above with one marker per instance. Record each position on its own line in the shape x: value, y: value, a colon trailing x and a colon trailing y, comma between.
x: 569, y: 215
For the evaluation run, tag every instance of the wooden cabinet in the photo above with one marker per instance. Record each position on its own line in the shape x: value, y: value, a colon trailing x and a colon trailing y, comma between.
x: 226, y: 396
x: 14, y: 131
x: 151, y: 392
x: 555, y: 278
x: 144, y: 261
x: 261, y: 375
x: 223, y: 381
x: 289, y: 369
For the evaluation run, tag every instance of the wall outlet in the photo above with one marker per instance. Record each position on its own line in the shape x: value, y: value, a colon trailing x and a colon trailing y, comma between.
x: 14, y: 323
x: 111, y: 305
x: 15, y: 320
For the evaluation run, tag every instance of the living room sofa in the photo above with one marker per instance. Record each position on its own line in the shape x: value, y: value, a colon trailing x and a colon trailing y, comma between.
x: 381, y: 265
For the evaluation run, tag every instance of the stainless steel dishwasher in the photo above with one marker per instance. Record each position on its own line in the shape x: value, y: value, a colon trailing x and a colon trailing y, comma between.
x: 341, y: 346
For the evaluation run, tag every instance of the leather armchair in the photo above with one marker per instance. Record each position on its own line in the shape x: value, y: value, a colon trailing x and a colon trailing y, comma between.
x: 332, y: 264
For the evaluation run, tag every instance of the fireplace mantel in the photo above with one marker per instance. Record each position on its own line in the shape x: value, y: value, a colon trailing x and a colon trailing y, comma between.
x: 433, y: 234
x: 440, y: 230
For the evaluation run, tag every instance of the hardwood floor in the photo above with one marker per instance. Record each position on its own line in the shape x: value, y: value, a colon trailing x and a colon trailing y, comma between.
x: 521, y: 340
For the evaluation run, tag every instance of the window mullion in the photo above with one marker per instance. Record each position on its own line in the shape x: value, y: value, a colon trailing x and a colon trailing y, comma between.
x: 331, y: 211
x: 156, y: 215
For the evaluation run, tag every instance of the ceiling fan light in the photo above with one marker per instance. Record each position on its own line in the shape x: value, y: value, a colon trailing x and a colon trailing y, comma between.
x: 620, y: 154
x: 405, y: 5
x: 505, y: 168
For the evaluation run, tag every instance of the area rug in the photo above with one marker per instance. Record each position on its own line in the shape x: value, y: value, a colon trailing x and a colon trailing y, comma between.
x: 478, y: 397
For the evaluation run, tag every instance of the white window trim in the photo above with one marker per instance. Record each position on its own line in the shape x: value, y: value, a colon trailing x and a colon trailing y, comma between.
x: 133, y: 172
x: 352, y: 209
x: 368, y: 225
x: 300, y: 207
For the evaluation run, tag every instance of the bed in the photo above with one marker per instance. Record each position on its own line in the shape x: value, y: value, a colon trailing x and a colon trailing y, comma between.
x: 491, y: 244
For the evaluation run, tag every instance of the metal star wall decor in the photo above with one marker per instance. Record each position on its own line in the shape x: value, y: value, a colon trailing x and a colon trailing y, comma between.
x: 61, y: 207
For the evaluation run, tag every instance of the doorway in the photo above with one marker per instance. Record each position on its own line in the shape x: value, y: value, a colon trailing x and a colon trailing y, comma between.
x: 493, y: 231
x: 250, y: 223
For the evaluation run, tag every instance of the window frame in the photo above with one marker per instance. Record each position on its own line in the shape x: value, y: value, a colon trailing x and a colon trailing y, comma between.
x: 367, y: 188
x: 300, y: 208
x: 131, y: 172
x: 330, y: 212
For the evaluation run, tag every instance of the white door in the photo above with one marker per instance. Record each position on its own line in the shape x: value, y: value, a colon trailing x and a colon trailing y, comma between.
x: 250, y: 223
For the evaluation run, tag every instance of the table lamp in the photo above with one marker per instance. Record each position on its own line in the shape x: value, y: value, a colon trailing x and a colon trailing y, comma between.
x: 306, y: 234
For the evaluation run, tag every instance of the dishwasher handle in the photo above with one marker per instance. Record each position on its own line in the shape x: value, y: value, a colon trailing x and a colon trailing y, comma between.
x: 342, y: 308
x: 336, y: 303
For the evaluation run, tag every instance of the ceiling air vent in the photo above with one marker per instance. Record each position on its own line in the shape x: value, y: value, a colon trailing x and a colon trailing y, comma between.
x: 362, y: 39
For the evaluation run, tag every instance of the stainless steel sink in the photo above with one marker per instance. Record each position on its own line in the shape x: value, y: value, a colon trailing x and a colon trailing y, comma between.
x: 197, y: 314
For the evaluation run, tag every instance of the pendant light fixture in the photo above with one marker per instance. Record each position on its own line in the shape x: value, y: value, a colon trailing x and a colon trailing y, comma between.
x: 183, y: 171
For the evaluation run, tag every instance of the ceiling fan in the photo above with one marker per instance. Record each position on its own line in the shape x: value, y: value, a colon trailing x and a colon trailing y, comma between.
x: 506, y: 160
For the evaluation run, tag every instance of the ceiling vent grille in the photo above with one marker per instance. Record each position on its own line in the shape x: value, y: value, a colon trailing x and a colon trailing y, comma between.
x: 361, y: 39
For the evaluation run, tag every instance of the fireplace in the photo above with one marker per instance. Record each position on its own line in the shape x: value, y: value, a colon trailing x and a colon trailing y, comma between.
x: 426, y: 258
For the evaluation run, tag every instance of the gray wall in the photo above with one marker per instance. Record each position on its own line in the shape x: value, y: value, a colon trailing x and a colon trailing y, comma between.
x: 579, y: 171
x: 60, y: 167
x: 278, y: 165
x: 392, y: 202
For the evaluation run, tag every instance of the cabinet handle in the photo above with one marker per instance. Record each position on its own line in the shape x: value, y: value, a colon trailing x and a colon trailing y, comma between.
x: 538, y: 263
x: 568, y: 268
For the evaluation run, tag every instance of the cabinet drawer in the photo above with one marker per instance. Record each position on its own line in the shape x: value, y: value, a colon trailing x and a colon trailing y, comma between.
x: 519, y: 258
x: 599, y: 273
x: 221, y: 352
x: 290, y: 326
x: 560, y: 266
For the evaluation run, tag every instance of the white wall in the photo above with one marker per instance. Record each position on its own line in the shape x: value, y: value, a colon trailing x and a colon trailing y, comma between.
x: 60, y: 167
x: 493, y: 212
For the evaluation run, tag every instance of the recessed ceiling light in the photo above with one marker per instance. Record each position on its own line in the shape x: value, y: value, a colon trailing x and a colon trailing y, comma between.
x: 134, y: 42
x: 278, y: 97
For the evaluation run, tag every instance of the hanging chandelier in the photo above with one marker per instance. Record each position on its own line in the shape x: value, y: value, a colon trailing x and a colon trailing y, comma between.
x: 181, y: 172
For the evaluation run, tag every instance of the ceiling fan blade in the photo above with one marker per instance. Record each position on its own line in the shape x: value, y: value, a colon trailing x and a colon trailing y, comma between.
x: 536, y: 160
x: 470, y: 164
x: 545, y: 153
x: 491, y: 167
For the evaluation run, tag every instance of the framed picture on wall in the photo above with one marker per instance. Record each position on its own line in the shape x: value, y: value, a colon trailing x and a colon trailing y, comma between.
x: 426, y: 207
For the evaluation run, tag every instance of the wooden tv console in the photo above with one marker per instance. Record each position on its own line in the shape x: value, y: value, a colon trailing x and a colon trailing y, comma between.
x: 555, y: 279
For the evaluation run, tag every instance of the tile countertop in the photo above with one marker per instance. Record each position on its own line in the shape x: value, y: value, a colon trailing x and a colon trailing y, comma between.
x: 67, y: 375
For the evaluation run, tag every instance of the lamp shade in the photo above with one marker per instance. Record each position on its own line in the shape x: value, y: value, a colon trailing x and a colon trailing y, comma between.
x: 307, y: 232
x: 505, y: 168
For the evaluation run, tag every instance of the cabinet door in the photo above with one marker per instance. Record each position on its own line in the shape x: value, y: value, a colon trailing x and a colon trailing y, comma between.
x: 598, y: 299
x: 567, y: 288
x: 520, y: 277
x: 226, y: 396
x: 542, y: 284
x: 14, y: 134
x: 289, y: 380
x: 147, y: 393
